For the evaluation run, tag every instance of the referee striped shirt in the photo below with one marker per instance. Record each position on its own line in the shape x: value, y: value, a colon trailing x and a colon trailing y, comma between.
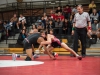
x: 81, y: 20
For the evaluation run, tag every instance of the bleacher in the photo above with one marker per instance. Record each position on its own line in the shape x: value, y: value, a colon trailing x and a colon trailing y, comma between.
x: 32, y: 15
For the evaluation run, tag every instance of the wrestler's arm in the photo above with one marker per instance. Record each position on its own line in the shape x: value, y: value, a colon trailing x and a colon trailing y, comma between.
x: 40, y: 39
x: 48, y: 40
x: 45, y: 48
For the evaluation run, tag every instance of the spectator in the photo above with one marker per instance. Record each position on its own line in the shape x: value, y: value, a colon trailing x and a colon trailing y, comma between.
x: 52, y: 14
x: 95, y: 29
x: 58, y: 26
x: 67, y: 27
x: 51, y: 24
x: 60, y: 16
x: 7, y: 28
x: 71, y: 18
x: 21, y: 21
x: 56, y: 16
x: 45, y: 16
x: 74, y: 9
x: 40, y: 26
x: 34, y: 29
x: 14, y: 19
x: 67, y: 12
x: 94, y: 15
x: 21, y: 37
x: 92, y: 5
x: 1, y: 29
x: 59, y: 9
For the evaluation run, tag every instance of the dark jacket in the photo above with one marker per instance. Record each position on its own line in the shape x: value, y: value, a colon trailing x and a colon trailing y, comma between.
x: 66, y: 25
x: 21, y: 38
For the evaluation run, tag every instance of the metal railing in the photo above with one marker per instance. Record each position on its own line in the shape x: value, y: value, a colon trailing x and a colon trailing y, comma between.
x: 40, y: 4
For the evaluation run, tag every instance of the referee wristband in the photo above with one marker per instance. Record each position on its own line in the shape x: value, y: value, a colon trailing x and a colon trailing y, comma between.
x: 89, y: 28
x: 73, y: 28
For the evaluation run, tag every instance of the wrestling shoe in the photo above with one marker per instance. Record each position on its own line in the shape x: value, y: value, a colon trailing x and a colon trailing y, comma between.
x: 55, y: 54
x: 36, y: 56
x: 79, y: 57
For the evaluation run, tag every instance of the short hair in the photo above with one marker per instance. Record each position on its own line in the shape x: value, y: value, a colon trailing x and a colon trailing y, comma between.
x: 43, y: 31
x: 80, y: 6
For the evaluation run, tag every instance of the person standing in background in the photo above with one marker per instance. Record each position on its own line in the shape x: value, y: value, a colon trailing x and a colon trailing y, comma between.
x: 80, y: 29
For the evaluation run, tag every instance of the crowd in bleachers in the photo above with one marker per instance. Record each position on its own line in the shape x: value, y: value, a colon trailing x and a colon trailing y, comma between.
x: 60, y: 20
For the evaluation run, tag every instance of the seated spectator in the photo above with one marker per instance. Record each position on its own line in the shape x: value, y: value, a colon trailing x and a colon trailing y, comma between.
x: 67, y: 12
x: 94, y: 15
x: 56, y: 16
x: 67, y: 27
x: 14, y: 20
x: 51, y: 24
x: 1, y: 29
x: 21, y: 37
x: 74, y: 9
x: 21, y: 21
x: 52, y: 15
x: 92, y: 5
x: 40, y: 26
x: 7, y: 28
x: 59, y: 9
x: 95, y: 29
x: 45, y: 16
x: 34, y: 29
x: 60, y: 16
x: 58, y: 27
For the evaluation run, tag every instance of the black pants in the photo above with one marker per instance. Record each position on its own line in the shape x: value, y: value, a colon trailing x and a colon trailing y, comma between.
x: 80, y: 33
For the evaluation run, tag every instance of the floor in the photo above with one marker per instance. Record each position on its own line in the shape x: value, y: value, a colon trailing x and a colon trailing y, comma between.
x: 63, y: 65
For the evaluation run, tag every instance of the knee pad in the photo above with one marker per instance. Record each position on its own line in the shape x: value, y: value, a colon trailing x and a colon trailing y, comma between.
x: 28, y: 59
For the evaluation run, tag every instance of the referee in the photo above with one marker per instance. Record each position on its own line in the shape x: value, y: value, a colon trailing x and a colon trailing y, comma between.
x: 80, y: 26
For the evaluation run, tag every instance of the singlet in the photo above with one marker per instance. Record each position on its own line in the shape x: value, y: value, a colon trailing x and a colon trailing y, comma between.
x: 55, y: 42
x: 33, y: 38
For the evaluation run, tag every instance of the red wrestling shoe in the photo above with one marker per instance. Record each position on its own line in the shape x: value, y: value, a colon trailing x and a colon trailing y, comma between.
x: 79, y: 57
x: 55, y: 54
